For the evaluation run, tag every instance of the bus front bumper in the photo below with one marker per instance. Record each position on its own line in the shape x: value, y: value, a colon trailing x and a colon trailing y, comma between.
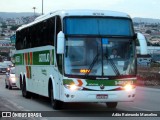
x: 98, y: 96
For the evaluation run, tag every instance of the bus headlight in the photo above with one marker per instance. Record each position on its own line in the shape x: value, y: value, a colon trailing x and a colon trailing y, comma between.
x: 128, y: 87
x: 73, y: 87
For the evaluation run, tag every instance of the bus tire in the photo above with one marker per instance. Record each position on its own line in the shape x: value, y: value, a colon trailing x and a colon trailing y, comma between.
x: 25, y: 93
x: 111, y: 104
x: 56, y: 104
x: 20, y: 82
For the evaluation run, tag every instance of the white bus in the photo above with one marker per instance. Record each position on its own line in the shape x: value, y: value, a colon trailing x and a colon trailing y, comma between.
x: 65, y: 55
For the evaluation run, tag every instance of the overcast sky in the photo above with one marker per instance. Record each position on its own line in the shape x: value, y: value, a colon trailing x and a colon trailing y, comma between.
x: 135, y: 8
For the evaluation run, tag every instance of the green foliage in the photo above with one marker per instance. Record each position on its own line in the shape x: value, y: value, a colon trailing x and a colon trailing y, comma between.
x: 2, y: 35
x: 14, y: 27
x: 155, y: 65
x: 148, y: 31
x: 4, y: 54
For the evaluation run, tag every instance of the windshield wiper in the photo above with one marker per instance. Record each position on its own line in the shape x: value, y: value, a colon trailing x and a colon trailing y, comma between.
x: 115, y: 69
x: 92, y: 64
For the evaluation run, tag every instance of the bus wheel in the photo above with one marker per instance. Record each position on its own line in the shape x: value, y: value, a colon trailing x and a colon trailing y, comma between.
x: 111, y: 104
x: 25, y: 93
x: 20, y: 81
x: 56, y: 104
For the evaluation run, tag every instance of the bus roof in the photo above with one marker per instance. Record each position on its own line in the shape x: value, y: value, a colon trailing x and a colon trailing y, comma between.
x: 63, y: 13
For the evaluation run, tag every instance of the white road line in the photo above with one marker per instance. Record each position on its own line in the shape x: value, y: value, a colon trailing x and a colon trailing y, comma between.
x: 142, y: 109
x: 7, y: 106
x: 22, y: 109
x: 16, y: 105
x: 13, y: 103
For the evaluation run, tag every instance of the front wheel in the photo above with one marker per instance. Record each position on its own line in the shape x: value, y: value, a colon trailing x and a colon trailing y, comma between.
x: 56, y: 104
x: 111, y: 104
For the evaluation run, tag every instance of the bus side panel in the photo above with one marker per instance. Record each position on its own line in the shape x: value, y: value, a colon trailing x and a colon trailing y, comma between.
x: 38, y: 65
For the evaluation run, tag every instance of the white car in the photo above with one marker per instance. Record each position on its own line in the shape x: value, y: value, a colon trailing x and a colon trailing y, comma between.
x: 3, y: 67
x: 9, y: 63
x: 10, y: 80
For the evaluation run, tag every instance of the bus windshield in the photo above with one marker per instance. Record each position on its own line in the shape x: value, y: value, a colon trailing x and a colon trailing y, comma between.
x: 98, y: 26
x: 88, y: 56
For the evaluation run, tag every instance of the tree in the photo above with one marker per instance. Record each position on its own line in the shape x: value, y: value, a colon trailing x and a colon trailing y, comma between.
x: 2, y: 34
x: 4, y: 25
x: 148, y: 31
x: 14, y: 27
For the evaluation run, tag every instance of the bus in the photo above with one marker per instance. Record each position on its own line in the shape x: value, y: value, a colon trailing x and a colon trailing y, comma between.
x: 65, y: 56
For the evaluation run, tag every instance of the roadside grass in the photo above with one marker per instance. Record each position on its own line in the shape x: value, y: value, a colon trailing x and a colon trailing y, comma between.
x: 149, y: 76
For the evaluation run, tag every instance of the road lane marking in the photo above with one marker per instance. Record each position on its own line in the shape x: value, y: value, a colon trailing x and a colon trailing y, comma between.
x: 142, y: 109
x: 8, y: 106
x: 17, y: 106
x: 21, y: 109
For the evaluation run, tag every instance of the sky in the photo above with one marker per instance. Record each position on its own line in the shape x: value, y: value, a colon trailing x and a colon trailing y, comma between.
x: 135, y: 8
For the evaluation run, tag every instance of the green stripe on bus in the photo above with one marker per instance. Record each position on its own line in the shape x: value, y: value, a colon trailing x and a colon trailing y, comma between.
x: 43, y: 57
x: 101, y: 82
x: 19, y: 59
x: 68, y: 81
x: 108, y: 82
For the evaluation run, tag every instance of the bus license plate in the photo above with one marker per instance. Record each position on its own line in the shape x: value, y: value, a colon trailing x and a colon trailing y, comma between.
x: 101, y: 96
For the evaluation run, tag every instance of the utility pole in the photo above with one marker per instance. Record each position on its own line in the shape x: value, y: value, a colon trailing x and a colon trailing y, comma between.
x: 42, y: 7
x: 34, y: 11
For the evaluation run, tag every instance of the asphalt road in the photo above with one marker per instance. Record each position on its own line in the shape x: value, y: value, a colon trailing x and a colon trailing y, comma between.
x: 147, y: 99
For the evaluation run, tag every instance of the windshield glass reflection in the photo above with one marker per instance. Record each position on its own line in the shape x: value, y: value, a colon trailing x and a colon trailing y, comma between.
x: 99, y: 57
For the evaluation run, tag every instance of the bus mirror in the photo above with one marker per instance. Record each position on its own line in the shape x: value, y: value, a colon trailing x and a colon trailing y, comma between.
x: 60, y: 43
x: 135, y: 36
x: 143, y: 43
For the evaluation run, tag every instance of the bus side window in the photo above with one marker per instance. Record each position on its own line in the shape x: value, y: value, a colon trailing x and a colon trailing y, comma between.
x: 24, y: 39
x: 44, y: 34
x: 38, y: 35
x: 24, y: 43
x: 31, y: 37
x: 51, y: 31
x: 28, y: 37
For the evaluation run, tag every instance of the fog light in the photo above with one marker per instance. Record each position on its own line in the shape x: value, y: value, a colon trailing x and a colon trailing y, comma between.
x: 133, y: 95
x: 67, y: 95
x: 72, y: 96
